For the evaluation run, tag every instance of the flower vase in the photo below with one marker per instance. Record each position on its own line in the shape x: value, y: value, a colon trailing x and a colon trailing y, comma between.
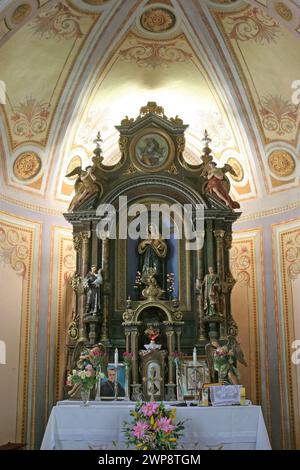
x: 85, y: 396
x: 127, y: 371
x: 98, y: 385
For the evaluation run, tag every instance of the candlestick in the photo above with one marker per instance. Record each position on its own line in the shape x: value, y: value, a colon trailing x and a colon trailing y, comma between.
x: 194, y: 357
x: 116, y: 358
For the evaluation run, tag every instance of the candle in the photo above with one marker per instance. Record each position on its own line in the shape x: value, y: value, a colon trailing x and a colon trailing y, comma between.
x: 194, y: 357
x: 116, y: 358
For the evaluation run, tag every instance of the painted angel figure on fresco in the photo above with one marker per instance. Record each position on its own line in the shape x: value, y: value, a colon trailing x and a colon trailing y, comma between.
x: 222, y: 361
x: 85, y: 185
x: 218, y: 184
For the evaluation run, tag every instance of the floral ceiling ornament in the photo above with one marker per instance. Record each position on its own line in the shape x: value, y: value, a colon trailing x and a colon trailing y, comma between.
x: 157, y: 20
x: 59, y: 22
x: 27, y: 165
x: 156, y: 54
x: 30, y: 117
x: 278, y: 114
x: 14, y: 249
x: 240, y: 262
x: 292, y: 255
x: 281, y: 163
x: 254, y: 25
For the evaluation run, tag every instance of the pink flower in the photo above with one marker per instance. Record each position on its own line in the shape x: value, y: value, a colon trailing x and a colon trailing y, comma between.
x: 165, y: 425
x: 149, y: 409
x: 139, y: 429
x: 89, y: 367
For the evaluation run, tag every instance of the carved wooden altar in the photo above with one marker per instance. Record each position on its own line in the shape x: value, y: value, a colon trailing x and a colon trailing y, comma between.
x: 147, y: 177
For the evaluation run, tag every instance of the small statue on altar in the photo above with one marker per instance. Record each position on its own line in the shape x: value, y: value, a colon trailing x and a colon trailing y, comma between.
x: 92, y: 285
x: 153, y: 334
x: 152, y: 253
x: 153, y: 383
x: 218, y: 184
x: 223, y: 360
x: 212, y: 289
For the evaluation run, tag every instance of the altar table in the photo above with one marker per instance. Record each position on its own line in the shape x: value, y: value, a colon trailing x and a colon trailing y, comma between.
x: 99, y: 426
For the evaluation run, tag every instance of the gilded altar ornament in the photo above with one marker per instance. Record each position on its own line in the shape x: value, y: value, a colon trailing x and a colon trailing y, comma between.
x: 281, y: 163
x: 222, y: 361
x: 152, y: 108
x: 27, y: 165
x: 86, y: 185
x: 157, y: 20
x: 152, y: 291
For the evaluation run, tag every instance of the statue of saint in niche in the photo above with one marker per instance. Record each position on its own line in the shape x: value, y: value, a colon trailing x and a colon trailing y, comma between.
x: 211, y: 293
x: 91, y: 285
x: 152, y: 254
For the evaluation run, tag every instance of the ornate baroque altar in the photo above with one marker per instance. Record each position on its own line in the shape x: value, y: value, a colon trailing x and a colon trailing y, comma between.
x: 124, y: 288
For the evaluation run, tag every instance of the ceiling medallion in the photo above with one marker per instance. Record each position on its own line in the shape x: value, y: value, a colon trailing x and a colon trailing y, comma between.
x: 157, y: 20
x: 20, y: 13
x: 237, y: 168
x: 27, y: 165
x: 281, y: 163
x: 283, y: 11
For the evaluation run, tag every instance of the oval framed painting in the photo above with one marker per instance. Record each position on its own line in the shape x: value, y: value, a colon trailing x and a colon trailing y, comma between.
x: 152, y: 150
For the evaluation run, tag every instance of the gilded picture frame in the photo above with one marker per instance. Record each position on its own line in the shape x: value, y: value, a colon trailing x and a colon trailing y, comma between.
x: 185, y: 378
x: 152, y: 150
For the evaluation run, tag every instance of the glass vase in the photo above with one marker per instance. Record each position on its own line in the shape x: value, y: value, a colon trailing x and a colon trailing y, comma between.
x: 98, y: 385
x: 127, y: 372
x: 85, y: 396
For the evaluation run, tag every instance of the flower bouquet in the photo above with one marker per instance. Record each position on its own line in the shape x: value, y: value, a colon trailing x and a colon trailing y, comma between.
x: 128, y: 358
x: 153, y: 427
x: 85, y: 379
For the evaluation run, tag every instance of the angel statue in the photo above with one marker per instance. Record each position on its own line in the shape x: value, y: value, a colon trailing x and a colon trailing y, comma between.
x: 222, y: 361
x: 218, y: 184
x: 85, y: 185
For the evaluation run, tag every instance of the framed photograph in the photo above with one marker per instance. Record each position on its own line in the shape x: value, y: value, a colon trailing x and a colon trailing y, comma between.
x: 107, y: 390
x: 190, y: 379
x: 152, y: 150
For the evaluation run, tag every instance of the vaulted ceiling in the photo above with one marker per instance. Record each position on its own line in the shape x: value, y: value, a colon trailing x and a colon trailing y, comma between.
x: 73, y: 67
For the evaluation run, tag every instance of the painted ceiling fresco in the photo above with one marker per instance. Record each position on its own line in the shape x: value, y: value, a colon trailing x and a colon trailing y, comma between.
x: 73, y: 67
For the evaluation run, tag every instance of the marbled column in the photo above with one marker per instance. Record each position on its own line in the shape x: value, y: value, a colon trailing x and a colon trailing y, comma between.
x: 219, y: 236
x: 199, y: 298
x: 170, y: 343
x: 81, y: 242
x: 134, y: 349
x: 106, y: 289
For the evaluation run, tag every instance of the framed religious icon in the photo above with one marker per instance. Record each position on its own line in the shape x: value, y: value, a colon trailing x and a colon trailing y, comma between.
x: 152, y: 150
x: 113, y: 383
x: 190, y: 379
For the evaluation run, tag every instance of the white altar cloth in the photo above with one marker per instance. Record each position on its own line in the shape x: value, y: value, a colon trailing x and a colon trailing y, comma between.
x: 99, y: 426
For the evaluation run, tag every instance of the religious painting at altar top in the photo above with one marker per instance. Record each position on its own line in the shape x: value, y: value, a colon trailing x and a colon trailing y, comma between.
x: 151, y: 150
x: 108, y: 383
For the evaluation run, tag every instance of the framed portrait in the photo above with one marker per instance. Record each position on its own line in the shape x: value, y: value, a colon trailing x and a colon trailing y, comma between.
x: 190, y: 379
x: 152, y: 150
x: 107, y: 390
